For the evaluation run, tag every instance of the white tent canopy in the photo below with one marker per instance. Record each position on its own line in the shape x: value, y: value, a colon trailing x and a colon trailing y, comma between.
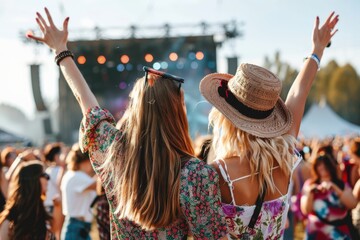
x: 321, y: 122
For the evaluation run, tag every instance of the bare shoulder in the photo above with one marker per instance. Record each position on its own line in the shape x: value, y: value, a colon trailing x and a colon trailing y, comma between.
x: 214, y: 165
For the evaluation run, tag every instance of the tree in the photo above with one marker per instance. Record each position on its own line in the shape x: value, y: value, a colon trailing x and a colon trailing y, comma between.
x: 344, y: 93
x: 339, y: 85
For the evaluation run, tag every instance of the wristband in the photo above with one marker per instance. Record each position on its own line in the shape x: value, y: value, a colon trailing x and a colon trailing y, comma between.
x: 62, y: 55
x: 315, y: 58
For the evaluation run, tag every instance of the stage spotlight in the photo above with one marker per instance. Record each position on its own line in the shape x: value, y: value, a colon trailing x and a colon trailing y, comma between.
x: 120, y: 67
x: 164, y: 65
x: 149, y: 58
x: 199, y: 55
x: 191, y: 56
x: 110, y: 64
x: 194, y: 65
x: 173, y: 56
x: 129, y: 67
x: 156, y: 65
x: 124, y: 59
x: 122, y: 85
x: 101, y: 59
x: 180, y: 65
x: 81, y: 60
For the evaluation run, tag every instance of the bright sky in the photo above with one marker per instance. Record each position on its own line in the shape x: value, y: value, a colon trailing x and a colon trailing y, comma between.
x: 269, y: 25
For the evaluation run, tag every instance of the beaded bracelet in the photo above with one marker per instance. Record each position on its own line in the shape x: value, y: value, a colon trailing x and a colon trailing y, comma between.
x: 315, y: 58
x: 62, y: 55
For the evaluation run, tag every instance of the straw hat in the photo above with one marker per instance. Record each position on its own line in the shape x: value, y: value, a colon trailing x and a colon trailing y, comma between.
x: 250, y: 100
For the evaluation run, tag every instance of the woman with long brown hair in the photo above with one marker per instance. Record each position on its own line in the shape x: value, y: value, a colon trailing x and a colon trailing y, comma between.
x: 24, y: 216
x: 326, y: 201
x: 156, y: 189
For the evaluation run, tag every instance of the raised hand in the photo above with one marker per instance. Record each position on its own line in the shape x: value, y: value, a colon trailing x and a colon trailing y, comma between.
x: 300, y: 89
x: 323, y: 35
x: 53, y: 37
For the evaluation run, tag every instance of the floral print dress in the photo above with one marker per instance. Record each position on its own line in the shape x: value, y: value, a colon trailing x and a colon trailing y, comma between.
x: 270, y: 223
x: 326, y: 205
x: 199, y: 188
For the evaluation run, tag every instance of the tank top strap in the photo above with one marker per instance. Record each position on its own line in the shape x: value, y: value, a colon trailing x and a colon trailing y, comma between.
x: 297, y: 161
x: 226, y: 177
x: 243, y: 177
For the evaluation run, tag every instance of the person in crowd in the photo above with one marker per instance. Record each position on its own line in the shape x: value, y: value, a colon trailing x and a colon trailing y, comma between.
x: 55, y: 169
x: 355, y: 155
x: 102, y: 212
x: 52, y: 153
x: 8, y: 156
x: 24, y: 216
x: 349, y: 165
x: 3, y: 187
x: 156, y: 189
x: 326, y: 200
x: 254, y: 139
x: 78, y: 192
x: 301, y: 174
x: 295, y: 216
x: 202, y: 147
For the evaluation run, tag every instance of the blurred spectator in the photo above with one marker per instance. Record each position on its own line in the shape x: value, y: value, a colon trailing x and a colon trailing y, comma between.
x: 355, y: 154
x: 203, y: 149
x: 3, y: 188
x: 78, y: 192
x: 102, y: 212
x: 55, y: 169
x: 326, y: 200
x: 8, y: 155
x: 24, y: 216
x: 300, y: 175
x: 348, y: 165
x: 52, y: 153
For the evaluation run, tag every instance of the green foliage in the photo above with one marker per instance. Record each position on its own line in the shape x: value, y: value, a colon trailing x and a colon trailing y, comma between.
x: 343, y: 93
x: 339, y: 85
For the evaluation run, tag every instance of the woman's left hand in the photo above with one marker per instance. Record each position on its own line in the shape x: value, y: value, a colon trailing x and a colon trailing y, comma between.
x: 323, y: 35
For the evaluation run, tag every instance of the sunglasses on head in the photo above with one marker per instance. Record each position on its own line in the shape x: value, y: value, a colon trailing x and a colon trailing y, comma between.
x: 162, y: 74
x: 45, y: 175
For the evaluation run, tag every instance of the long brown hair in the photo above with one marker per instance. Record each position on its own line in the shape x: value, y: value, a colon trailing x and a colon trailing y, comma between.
x: 144, y: 164
x: 25, y: 209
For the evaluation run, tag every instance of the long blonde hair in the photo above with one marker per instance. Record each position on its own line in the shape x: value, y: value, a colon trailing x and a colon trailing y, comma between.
x: 262, y: 153
x: 145, y: 163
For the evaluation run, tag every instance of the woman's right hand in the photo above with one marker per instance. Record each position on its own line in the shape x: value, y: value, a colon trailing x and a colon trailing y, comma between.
x: 311, y: 188
x: 53, y: 37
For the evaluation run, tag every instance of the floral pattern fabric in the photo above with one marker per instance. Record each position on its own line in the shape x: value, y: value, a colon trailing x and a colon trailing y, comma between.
x: 199, y: 191
x: 270, y: 223
x: 327, y: 206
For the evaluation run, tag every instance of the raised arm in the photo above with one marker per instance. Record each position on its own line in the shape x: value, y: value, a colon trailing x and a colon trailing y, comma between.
x: 300, y: 89
x: 57, y: 41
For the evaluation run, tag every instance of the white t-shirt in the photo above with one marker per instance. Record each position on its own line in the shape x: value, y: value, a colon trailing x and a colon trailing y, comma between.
x: 76, y: 202
x: 52, y: 189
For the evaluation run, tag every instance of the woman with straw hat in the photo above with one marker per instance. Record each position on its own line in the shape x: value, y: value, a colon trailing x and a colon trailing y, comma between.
x: 254, y: 139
